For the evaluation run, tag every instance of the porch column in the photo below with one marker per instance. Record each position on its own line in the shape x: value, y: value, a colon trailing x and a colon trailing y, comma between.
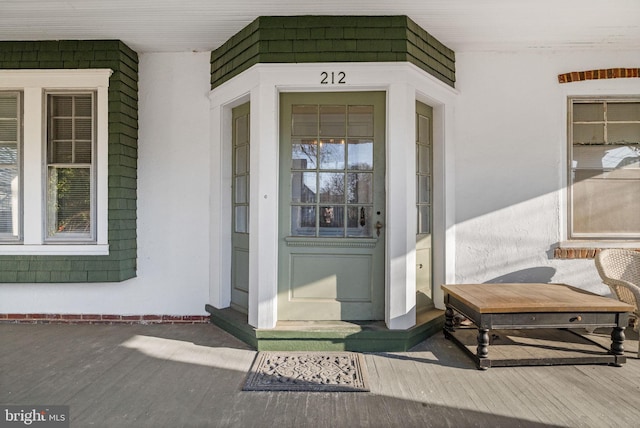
x: 401, y: 213
x: 263, y: 202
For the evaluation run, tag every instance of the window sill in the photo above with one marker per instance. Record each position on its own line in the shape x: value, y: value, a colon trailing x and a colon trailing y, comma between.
x: 589, y: 249
x: 54, y: 250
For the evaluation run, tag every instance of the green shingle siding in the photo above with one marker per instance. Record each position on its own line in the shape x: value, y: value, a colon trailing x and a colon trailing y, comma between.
x: 308, y: 39
x: 120, y: 264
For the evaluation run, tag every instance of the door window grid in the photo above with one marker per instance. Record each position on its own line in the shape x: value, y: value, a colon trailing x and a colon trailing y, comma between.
x: 241, y: 173
x: 604, y: 168
x: 423, y: 174
x: 332, y: 170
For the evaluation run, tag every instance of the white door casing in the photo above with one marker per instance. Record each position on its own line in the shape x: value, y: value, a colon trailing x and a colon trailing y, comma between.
x: 261, y: 85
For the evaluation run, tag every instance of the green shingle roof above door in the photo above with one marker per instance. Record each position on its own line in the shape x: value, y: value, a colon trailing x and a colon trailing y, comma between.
x: 311, y: 39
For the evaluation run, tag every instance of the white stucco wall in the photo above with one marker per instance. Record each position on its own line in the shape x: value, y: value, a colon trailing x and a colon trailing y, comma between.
x: 510, y: 162
x: 510, y: 139
x: 173, y: 205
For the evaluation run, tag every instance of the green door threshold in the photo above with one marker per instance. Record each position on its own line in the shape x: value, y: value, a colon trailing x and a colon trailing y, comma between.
x: 368, y: 336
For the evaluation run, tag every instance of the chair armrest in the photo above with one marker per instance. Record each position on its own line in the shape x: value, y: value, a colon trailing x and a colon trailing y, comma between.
x: 631, y: 288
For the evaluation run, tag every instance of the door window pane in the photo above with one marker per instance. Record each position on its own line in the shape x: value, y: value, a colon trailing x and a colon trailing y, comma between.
x: 360, y: 121
x: 360, y: 188
x: 333, y: 120
x: 242, y: 129
x: 360, y: 154
x: 424, y: 219
x: 303, y: 187
x: 303, y: 220
x: 304, y: 120
x: 242, y: 159
x: 331, y: 220
x: 304, y: 154
x: 241, y: 190
x: 332, y: 153
x: 359, y: 220
x: 424, y: 191
x: 242, y: 219
x: 331, y: 187
x: 423, y: 159
x: 424, y: 130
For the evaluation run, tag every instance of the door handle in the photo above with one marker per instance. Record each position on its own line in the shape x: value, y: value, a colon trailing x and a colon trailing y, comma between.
x: 378, y: 227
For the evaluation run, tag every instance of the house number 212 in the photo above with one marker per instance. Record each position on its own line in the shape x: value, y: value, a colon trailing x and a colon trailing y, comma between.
x: 333, y: 78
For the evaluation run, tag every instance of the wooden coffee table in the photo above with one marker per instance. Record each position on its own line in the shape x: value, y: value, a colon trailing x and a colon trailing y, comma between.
x: 534, y: 306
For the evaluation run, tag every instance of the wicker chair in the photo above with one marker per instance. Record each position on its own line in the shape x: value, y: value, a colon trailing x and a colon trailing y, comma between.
x: 620, y: 270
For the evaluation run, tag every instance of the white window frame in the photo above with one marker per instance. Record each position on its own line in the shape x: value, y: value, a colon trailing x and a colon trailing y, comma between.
x: 570, y: 147
x: 34, y: 85
x: 602, y: 88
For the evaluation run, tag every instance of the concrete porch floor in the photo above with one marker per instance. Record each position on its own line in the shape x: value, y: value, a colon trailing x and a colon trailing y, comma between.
x: 191, y: 376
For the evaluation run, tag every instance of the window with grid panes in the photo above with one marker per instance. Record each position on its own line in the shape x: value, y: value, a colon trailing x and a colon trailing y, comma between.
x: 604, y: 179
x: 70, y: 141
x: 54, y: 133
x: 332, y: 171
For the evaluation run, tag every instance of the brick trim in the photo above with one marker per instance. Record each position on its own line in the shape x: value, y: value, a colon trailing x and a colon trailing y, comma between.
x: 577, y: 253
x: 101, y: 319
x: 605, y: 73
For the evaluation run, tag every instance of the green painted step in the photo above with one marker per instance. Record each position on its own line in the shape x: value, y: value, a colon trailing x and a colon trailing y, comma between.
x: 328, y: 335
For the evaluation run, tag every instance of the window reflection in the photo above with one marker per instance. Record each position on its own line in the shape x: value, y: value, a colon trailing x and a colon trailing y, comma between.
x: 360, y: 154
x: 332, y: 154
x: 304, y: 154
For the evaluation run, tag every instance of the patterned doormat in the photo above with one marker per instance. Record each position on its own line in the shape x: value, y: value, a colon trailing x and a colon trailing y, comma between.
x: 308, y: 371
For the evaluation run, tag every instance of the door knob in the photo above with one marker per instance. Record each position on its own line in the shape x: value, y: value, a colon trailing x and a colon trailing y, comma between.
x: 378, y: 227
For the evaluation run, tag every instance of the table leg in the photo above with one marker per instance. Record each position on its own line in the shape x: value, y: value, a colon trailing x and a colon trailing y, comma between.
x: 617, y: 340
x: 483, y: 343
x: 448, y: 322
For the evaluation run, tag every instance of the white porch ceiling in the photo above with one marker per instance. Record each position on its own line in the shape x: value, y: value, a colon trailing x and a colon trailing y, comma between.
x: 203, y: 25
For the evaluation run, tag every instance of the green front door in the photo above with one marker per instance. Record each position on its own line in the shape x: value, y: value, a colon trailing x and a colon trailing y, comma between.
x: 331, y: 207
